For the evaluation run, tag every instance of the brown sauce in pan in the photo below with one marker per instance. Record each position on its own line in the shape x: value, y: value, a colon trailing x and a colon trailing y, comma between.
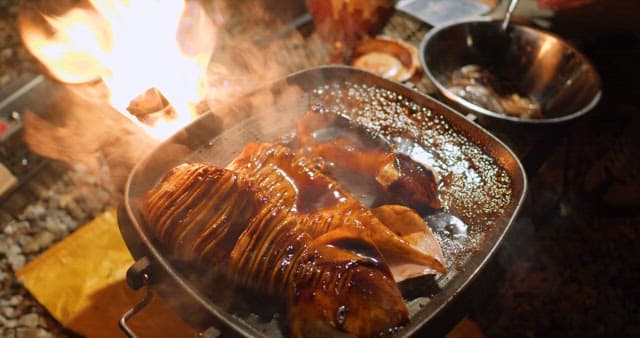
x: 474, y: 189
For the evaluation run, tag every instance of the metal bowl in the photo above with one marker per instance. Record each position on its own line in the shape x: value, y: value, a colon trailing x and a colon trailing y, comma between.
x: 539, y: 65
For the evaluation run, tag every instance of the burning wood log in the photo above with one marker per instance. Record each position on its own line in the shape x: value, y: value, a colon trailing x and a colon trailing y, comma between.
x: 150, y: 106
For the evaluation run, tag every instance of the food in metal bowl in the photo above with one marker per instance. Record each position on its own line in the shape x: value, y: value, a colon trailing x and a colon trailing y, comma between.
x: 524, y: 74
x: 274, y: 222
x: 479, y: 86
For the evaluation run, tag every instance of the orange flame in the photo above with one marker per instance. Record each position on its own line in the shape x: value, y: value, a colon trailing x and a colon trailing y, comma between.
x: 132, y: 46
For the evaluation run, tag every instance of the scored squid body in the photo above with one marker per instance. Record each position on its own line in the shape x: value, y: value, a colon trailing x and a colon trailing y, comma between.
x: 213, y: 218
x: 272, y: 223
x: 321, y: 204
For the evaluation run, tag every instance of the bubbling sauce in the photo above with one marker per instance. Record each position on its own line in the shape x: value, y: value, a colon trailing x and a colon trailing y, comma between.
x: 473, y: 189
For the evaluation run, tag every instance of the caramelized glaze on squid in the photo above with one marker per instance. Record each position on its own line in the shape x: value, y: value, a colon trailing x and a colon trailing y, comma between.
x: 273, y: 223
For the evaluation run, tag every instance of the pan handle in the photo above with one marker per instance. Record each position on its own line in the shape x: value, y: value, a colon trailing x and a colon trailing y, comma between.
x: 137, y: 277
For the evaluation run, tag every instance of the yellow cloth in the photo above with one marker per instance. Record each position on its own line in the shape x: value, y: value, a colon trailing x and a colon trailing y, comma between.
x: 81, y: 282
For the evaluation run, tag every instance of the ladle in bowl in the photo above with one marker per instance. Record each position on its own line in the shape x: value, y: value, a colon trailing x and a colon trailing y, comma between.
x: 507, y: 16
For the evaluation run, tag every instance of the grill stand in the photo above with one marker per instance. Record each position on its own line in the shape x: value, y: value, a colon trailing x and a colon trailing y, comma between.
x: 137, y: 277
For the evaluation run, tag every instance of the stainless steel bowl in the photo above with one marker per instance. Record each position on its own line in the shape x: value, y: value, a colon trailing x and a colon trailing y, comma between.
x: 538, y: 64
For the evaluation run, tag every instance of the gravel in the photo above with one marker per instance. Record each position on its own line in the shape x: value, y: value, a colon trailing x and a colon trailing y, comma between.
x: 48, y: 217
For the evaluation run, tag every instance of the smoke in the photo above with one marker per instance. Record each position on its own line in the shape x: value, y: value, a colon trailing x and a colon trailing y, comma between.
x: 80, y: 128
x: 83, y: 125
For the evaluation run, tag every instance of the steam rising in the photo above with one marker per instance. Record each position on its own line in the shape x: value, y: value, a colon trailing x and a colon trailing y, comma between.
x: 107, y: 53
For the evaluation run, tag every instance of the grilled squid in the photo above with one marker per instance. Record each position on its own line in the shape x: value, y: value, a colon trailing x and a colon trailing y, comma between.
x: 321, y: 204
x: 273, y: 223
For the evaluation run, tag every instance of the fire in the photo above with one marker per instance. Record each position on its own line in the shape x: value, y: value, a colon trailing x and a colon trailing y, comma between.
x: 133, y: 46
